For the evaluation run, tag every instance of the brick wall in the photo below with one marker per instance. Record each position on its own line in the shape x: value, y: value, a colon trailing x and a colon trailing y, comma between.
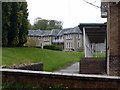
x: 49, y: 79
x: 114, y: 39
x: 92, y: 66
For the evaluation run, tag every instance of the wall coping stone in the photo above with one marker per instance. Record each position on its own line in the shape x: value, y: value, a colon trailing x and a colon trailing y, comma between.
x: 61, y: 74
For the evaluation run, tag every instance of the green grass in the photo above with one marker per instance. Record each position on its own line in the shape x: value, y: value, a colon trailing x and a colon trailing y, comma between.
x: 52, y: 60
x: 99, y: 55
x: 0, y: 56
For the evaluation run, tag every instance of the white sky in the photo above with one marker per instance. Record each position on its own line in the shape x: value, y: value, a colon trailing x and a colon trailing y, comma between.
x: 71, y: 12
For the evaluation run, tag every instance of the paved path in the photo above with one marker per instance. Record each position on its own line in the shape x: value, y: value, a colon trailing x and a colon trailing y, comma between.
x: 74, y: 68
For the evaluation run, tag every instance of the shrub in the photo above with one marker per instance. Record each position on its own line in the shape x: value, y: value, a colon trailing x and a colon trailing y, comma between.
x: 53, y: 47
x: 58, y: 47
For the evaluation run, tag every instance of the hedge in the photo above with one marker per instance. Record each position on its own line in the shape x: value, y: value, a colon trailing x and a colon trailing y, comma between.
x: 53, y: 47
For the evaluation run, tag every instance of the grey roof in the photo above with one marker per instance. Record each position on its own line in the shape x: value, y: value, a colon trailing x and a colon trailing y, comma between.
x: 34, y: 33
x: 73, y: 30
x: 63, y: 31
x: 45, y: 32
x: 76, y: 30
x: 53, y: 32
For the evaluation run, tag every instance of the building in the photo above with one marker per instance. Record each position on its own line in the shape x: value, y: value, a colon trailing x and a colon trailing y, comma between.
x: 34, y: 38
x: 110, y: 9
x: 59, y: 38
x: 71, y: 39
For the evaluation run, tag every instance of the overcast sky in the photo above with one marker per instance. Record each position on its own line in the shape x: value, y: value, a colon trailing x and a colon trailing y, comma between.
x: 71, y: 12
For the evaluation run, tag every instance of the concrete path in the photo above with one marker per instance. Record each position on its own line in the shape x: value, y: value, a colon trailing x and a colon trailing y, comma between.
x: 74, y: 68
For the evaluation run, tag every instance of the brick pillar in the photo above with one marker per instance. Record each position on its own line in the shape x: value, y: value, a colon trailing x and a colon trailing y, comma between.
x: 114, y: 38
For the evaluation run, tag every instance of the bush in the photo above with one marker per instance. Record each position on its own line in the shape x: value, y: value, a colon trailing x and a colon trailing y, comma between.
x: 58, y: 47
x: 53, y: 47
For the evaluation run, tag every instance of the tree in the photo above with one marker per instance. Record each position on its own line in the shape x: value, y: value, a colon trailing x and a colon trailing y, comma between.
x: 54, y: 24
x: 13, y: 33
x: 44, y: 24
x: 29, y: 25
x: 14, y: 23
x: 41, y: 24
x: 23, y: 30
x: 6, y: 11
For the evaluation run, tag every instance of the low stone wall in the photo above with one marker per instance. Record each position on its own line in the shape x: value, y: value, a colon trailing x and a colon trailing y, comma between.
x: 48, y: 79
x: 92, y: 66
x: 33, y: 66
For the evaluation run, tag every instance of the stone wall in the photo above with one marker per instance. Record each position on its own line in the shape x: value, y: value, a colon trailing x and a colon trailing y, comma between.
x: 34, y: 66
x: 92, y: 66
x: 49, y: 79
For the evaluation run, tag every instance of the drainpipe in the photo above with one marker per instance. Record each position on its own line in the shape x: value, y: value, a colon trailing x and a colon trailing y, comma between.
x: 107, y: 42
x: 108, y: 72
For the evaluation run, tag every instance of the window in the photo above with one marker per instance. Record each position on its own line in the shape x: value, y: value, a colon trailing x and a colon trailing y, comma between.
x: 45, y: 38
x: 71, y: 44
x: 79, y: 36
x: 66, y: 45
x: 71, y: 36
x: 68, y: 36
x: 39, y: 38
x: 78, y: 44
x: 62, y: 37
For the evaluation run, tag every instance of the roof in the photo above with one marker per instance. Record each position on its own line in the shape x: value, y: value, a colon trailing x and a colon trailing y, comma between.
x: 34, y: 32
x: 74, y: 30
x: 45, y: 32
x: 63, y: 31
x: 91, y: 25
x: 96, y: 32
x: 54, y: 32
x: 38, y: 32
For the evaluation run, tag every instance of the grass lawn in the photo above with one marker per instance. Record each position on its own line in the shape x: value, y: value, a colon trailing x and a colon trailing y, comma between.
x: 52, y: 60
x: 99, y: 55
